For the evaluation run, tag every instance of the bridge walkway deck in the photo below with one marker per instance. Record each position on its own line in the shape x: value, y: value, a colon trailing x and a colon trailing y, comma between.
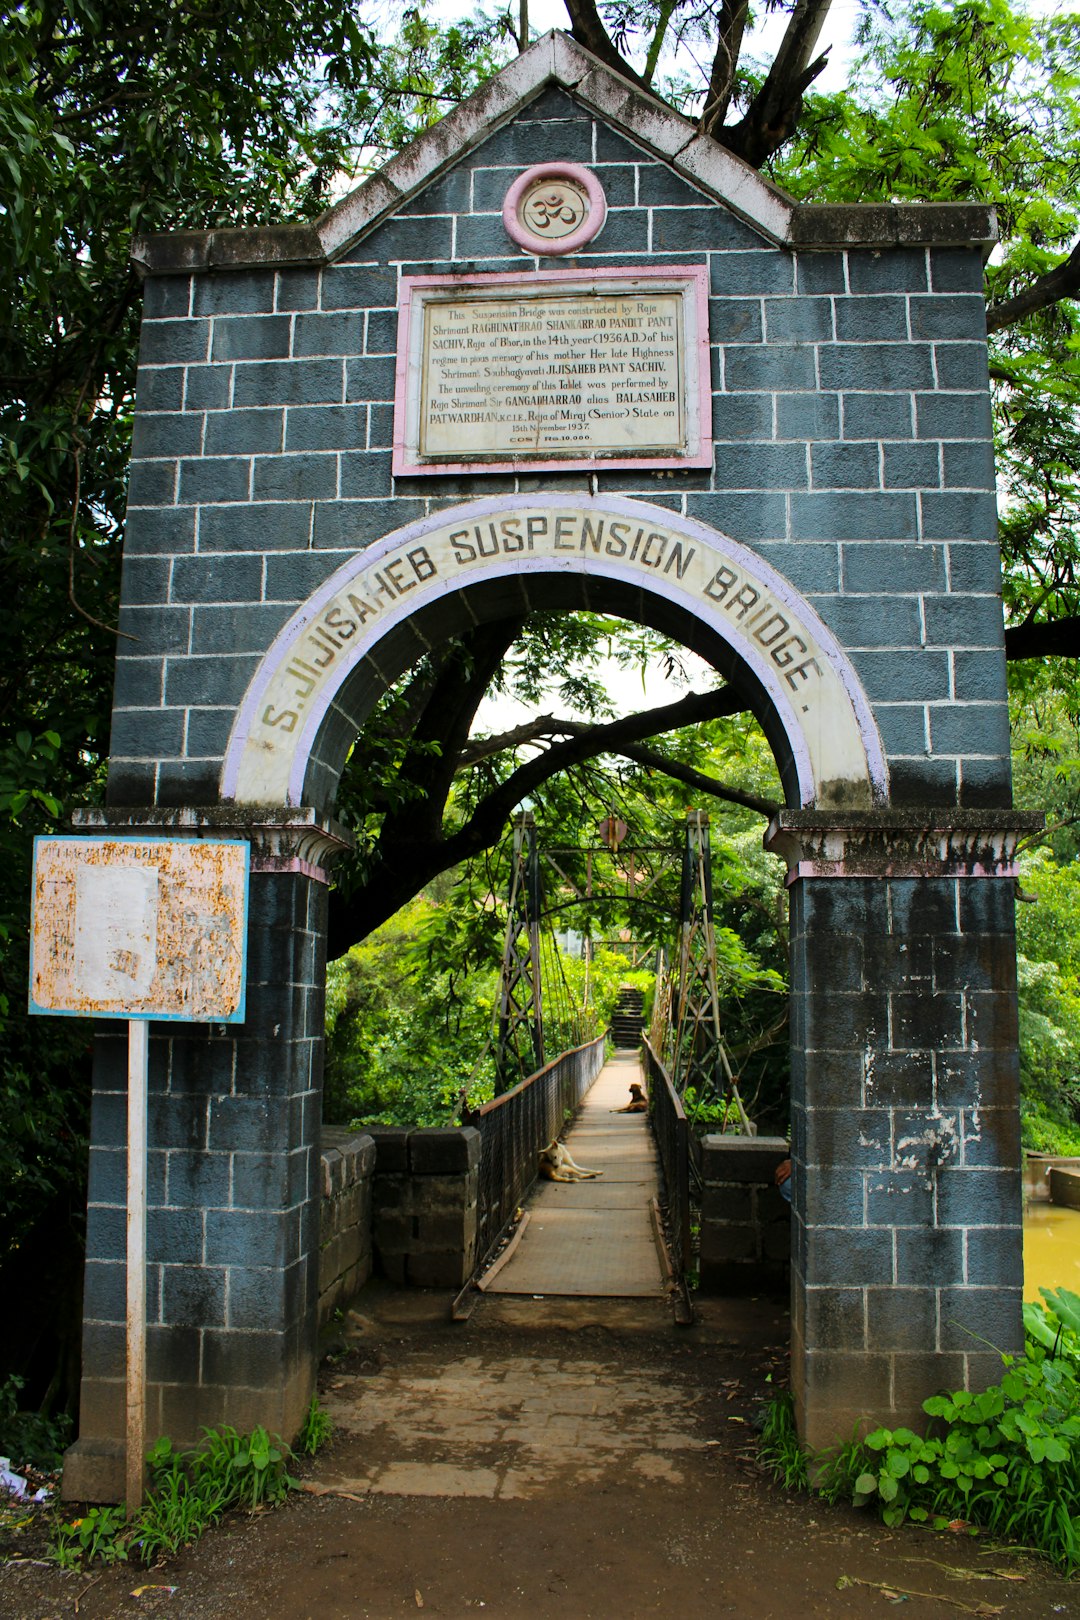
x: 594, y: 1239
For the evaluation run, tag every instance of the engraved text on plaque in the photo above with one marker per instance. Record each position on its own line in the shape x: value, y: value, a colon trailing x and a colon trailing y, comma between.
x: 551, y: 372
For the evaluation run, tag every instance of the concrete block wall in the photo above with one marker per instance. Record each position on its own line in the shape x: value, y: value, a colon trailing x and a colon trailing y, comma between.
x: 424, y: 1205
x: 905, y: 1143
x: 745, y: 1223
x: 850, y: 413
x: 348, y: 1163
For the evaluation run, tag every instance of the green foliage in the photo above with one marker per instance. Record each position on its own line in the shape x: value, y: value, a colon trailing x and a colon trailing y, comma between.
x: 30, y: 1437
x: 410, y: 1008
x: 405, y: 1027
x: 977, y: 100
x: 780, y: 1450
x: 97, y: 1538
x: 1055, y: 1325
x: 189, y: 1493
x: 1007, y: 1459
x: 1048, y: 965
x: 315, y: 1430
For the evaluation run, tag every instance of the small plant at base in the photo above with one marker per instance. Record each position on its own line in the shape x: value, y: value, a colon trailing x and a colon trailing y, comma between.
x: 190, y: 1492
x: 1006, y: 1460
x: 98, y: 1537
x: 315, y: 1430
x: 780, y: 1448
x: 254, y: 1467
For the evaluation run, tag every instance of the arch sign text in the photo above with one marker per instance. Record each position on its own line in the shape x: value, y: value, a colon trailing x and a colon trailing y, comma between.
x: 740, y: 598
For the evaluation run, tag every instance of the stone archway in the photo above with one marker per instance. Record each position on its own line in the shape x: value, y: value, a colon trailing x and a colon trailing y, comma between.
x: 385, y: 606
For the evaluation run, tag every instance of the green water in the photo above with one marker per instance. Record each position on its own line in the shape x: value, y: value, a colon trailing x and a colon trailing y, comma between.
x: 1051, y: 1249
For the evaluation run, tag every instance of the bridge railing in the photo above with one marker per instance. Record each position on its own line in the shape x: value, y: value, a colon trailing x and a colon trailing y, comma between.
x: 672, y: 1132
x: 514, y: 1127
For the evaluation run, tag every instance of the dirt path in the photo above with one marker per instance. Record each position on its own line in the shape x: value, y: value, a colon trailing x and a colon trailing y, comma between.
x: 567, y: 1458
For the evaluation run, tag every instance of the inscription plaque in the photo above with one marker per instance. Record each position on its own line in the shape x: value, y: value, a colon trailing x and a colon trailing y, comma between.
x: 557, y: 370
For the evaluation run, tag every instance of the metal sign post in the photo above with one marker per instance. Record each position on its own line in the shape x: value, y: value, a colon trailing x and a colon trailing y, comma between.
x: 138, y: 1068
x: 139, y: 929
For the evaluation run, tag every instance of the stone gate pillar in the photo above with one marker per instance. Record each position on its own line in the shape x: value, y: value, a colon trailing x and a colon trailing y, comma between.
x: 233, y: 1164
x: 907, y: 1258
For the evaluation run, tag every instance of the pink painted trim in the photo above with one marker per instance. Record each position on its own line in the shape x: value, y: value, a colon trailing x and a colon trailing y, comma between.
x: 289, y: 863
x: 896, y: 869
x: 699, y: 452
x: 591, y: 225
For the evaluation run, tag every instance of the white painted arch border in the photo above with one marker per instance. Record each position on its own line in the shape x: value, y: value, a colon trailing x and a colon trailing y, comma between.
x: 264, y: 766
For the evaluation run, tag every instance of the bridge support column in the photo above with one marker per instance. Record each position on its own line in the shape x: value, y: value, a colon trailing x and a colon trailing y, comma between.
x: 907, y: 1261
x: 234, y: 1178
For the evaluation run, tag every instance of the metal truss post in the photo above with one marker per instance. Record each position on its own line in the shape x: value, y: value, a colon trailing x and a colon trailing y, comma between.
x: 520, y: 1048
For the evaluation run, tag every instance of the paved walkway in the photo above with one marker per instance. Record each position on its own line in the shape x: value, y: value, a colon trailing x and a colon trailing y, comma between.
x: 594, y: 1239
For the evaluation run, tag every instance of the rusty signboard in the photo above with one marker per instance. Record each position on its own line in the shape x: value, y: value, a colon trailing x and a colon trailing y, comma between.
x: 140, y: 928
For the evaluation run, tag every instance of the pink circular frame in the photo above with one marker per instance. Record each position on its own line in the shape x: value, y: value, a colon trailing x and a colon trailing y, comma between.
x: 590, y: 226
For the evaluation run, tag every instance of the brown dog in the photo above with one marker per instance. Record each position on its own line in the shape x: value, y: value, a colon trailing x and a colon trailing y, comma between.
x: 638, y: 1104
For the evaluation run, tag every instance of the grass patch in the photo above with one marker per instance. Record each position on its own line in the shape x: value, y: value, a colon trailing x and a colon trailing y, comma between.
x: 1006, y: 1460
x: 190, y: 1492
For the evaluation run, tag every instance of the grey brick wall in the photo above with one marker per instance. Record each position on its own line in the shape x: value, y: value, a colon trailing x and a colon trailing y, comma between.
x: 905, y: 1143
x: 852, y: 432
x: 347, y: 1164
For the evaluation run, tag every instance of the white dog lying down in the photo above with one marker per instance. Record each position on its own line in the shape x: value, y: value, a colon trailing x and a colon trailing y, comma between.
x: 557, y: 1165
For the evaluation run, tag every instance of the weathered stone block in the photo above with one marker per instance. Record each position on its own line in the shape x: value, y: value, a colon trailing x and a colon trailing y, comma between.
x: 391, y: 1143
x: 444, y: 1151
x: 871, y: 317
x: 243, y: 433
x: 912, y: 466
x: 741, y: 1159
x: 861, y: 367
x: 289, y: 382
x: 769, y: 366
x: 878, y: 416
x: 251, y: 337
x: 165, y: 343
x: 747, y: 274
x: 450, y: 1270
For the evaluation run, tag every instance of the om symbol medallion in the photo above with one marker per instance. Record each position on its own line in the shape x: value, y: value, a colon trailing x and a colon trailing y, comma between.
x: 554, y: 208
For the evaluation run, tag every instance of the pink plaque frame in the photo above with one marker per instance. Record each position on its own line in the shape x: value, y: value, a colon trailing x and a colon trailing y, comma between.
x: 591, y: 225
x: 690, y: 281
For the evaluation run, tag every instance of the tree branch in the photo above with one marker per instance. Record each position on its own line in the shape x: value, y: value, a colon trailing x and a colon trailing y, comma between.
x: 478, y: 748
x: 409, y: 854
x: 771, y: 117
x: 445, y: 719
x: 1051, y: 638
x: 730, y: 26
x: 589, y: 31
x: 1061, y: 282
x: 653, y: 760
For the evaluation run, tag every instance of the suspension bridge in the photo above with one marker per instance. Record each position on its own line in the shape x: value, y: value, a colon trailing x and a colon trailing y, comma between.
x: 622, y: 1230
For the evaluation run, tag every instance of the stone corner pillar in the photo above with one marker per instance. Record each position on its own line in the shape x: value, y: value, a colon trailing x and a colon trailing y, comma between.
x: 906, y: 1212
x: 234, y: 1181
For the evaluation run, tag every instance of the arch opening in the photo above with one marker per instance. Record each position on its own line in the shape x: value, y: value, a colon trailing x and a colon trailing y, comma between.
x: 510, y: 555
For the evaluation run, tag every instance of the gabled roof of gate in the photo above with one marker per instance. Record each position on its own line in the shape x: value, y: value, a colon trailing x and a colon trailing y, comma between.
x: 558, y: 60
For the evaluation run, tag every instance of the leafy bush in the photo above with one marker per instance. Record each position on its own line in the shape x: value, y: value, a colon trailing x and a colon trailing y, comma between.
x: 30, y: 1437
x: 190, y: 1492
x: 97, y: 1538
x: 1007, y: 1459
x: 1048, y: 965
